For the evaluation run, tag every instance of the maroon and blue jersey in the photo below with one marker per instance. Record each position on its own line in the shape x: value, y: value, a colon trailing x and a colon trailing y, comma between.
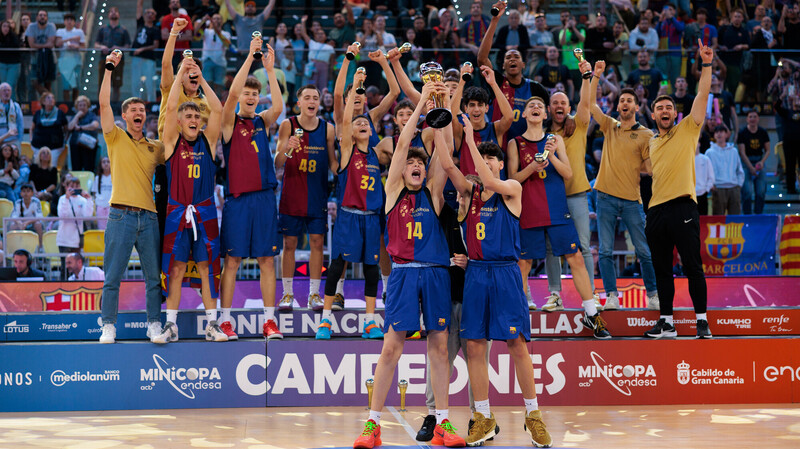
x: 417, y: 143
x: 359, y: 183
x: 491, y: 230
x: 248, y: 158
x: 544, y: 197
x: 413, y: 231
x: 517, y: 96
x: 465, y: 163
x: 305, y: 176
x: 191, y: 171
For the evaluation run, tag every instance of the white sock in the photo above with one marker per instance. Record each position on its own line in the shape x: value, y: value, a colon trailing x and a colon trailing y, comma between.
x: 531, y: 405
x: 431, y: 411
x: 172, y: 316
x: 340, y: 287
x: 385, y: 279
x: 482, y: 407
x: 375, y: 416
x: 225, y: 315
x: 211, y: 315
x: 326, y: 314
x: 590, y: 307
x: 668, y: 318
x: 441, y: 415
x: 702, y: 316
x: 528, y: 292
x: 369, y: 317
x: 313, y: 287
x: 269, y: 313
x: 288, y: 286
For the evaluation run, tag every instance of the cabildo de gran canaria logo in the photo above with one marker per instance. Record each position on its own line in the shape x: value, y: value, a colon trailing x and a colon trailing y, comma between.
x: 724, y: 241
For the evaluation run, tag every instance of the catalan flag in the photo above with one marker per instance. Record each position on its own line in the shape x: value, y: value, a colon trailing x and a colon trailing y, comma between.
x: 790, y: 246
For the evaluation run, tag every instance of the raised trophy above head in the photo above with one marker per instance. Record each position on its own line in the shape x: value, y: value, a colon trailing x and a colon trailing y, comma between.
x: 496, y: 11
x: 360, y: 88
x: 188, y: 54
x: 257, y: 54
x: 578, y: 53
x: 110, y: 65
x: 350, y: 55
x: 467, y: 76
x: 439, y: 116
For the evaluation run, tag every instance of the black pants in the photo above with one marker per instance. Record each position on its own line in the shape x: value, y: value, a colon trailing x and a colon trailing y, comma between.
x: 82, y: 158
x: 702, y: 204
x: 676, y: 224
x: 790, y: 153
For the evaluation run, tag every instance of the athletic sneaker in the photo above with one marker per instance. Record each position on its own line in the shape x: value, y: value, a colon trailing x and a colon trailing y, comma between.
x: 109, y: 334
x: 652, y: 302
x: 167, y: 335
x: 315, y: 303
x: 215, y: 333
x: 153, y: 329
x: 286, y: 303
x: 662, y: 329
x: 415, y: 336
x: 271, y: 330
x: 703, y: 332
x: 426, y: 431
x: 481, y: 430
x: 338, y: 302
x: 612, y: 302
x: 472, y: 423
x: 227, y: 328
x: 531, y: 304
x: 370, y: 437
x: 597, y: 325
x: 597, y: 304
x: 324, y: 330
x: 540, y: 437
x: 554, y: 302
x: 444, y: 434
x: 371, y: 330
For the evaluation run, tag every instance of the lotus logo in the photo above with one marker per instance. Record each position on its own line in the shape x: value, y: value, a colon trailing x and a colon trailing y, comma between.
x: 683, y: 373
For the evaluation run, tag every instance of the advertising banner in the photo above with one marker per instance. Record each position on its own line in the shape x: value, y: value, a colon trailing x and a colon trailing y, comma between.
x: 738, y: 245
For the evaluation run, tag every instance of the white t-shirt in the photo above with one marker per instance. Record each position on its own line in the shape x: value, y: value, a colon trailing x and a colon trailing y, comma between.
x: 64, y: 35
x: 32, y: 211
x: 213, y: 47
x: 389, y: 41
x: 103, y: 197
x: 319, y: 52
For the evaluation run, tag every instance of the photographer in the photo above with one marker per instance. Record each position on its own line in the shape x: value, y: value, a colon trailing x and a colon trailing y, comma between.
x: 74, y: 203
x: 215, y: 43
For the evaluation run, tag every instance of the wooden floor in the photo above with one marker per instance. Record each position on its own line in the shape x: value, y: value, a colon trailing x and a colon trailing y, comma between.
x: 725, y: 426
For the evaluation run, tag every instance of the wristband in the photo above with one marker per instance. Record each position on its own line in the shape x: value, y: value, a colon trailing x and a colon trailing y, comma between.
x: 705, y: 64
x: 174, y: 34
x: 587, y: 75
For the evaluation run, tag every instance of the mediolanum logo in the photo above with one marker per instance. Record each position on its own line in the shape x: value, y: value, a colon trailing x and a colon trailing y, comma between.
x: 14, y: 328
x: 59, y: 377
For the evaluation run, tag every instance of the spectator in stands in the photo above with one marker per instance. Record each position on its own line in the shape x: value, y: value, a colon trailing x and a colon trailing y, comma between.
x: 645, y: 114
x: 384, y: 7
x: 9, y: 173
x: 757, y: 78
x: 29, y: 208
x: 49, y: 126
x: 790, y: 118
x: 671, y: 29
x: 683, y: 99
x: 643, y: 37
x: 789, y: 27
x: 11, y: 121
x: 9, y: 67
x: 280, y: 41
x: 79, y: 272
x: 24, y: 170
x: 75, y: 203
x: 646, y: 75
x: 205, y: 8
x: 563, y: 19
x: 529, y: 11
x: 110, y: 37
x: 718, y: 68
x: 446, y: 40
x: 434, y: 8
x: 423, y: 38
x: 701, y: 29
x: 69, y: 39
x: 326, y: 106
x: 299, y: 45
x: 101, y: 191
x: 360, y: 8
x: 344, y: 31
x: 513, y: 36
x: 553, y: 72
x: 245, y: 24
x: 722, y: 105
x: 475, y: 28
x: 44, y: 175
x: 184, y: 39
x: 733, y: 40
x: 759, y: 13
x: 215, y: 43
x: 83, y: 129
x: 389, y: 41
x: 320, y: 56
x: 620, y: 51
x: 726, y: 198
x: 704, y: 179
x: 287, y: 65
x: 570, y: 38
x: 753, y: 142
x: 42, y: 38
x: 540, y: 38
x: 144, y: 59
x: 22, y: 262
x: 599, y: 39
x: 24, y: 82
x: 409, y: 8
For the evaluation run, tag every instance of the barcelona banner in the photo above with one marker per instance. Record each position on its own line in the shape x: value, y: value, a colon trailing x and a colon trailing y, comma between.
x: 738, y: 245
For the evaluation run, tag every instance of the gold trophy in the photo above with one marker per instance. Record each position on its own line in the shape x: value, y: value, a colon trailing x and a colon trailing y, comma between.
x: 360, y: 88
x: 439, y: 116
x: 405, y: 48
x: 403, y: 386
x: 496, y: 11
x: 578, y: 53
x: 541, y: 157
x: 257, y: 54
x: 299, y: 134
x: 110, y: 65
x: 467, y: 76
x: 350, y: 55
x: 369, y: 384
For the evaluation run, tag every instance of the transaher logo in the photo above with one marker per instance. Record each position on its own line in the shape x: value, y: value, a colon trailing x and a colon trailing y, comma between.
x: 184, y: 380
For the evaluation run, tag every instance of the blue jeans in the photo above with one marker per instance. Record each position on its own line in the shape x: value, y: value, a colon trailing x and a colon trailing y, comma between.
x: 579, y: 209
x: 9, y: 73
x: 754, y: 186
x: 126, y: 230
x: 6, y: 191
x: 609, y: 208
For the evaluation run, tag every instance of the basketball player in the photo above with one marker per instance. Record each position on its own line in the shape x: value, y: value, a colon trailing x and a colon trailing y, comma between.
x: 249, y: 216
x: 304, y: 198
x: 191, y: 226
x: 495, y: 307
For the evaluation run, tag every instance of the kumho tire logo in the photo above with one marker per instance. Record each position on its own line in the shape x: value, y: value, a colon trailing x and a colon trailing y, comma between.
x: 621, y: 377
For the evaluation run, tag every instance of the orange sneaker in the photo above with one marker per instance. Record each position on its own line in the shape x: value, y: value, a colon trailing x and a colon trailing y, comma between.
x: 271, y: 330
x: 370, y: 437
x: 445, y: 434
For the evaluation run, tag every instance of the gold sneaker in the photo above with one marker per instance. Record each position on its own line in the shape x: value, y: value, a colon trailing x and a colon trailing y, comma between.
x: 540, y: 437
x: 553, y: 303
x: 482, y: 429
x: 597, y: 304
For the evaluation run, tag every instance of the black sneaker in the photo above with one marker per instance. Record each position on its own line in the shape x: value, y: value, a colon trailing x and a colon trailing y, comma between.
x: 426, y: 431
x: 664, y: 329
x: 472, y: 422
x: 703, y: 332
x: 597, y: 325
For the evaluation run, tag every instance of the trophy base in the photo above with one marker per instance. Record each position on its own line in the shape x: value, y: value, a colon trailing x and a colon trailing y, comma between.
x: 438, y: 118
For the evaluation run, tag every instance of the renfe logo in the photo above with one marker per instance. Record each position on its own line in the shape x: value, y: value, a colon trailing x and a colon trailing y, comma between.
x: 14, y: 328
x: 198, y: 378
x: 621, y: 377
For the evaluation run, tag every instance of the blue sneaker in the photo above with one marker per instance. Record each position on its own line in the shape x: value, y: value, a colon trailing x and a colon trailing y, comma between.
x: 324, y: 330
x: 371, y: 330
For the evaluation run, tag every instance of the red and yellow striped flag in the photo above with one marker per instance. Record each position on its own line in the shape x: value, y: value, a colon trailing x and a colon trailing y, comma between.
x: 790, y: 245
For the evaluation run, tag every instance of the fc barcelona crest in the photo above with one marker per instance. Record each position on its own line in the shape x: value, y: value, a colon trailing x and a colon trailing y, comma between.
x: 725, y: 241
x: 79, y: 299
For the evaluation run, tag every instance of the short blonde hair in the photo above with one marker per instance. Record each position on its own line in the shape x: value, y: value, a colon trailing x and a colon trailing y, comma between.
x: 39, y: 156
x: 83, y: 98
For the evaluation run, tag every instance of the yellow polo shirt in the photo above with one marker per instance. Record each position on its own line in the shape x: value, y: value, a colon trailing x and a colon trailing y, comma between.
x: 672, y: 158
x: 133, y: 163
x: 576, y: 153
x: 200, y: 100
x: 624, y: 150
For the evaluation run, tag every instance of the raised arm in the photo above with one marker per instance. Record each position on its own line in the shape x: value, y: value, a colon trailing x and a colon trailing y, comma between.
x: 229, y: 111
x: 330, y: 139
x: 508, y: 187
x: 338, y: 88
x: 558, y: 157
x: 167, y: 74
x: 455, y: 106
x: 346, y: 134
x: 486, y: 43
x: 704, y: 85
x: 272, y: 114
x: 213, y: 127
x: 446, y: 161
x: 104, y: 96
x: 394, y: 89
x: 594, y: 109
x: 506, y: 112
x: 303, y: 31
x: 394, y: 180
x: 286, y: 141
x: 583, y: 114
x: 231, y: 11
x: 267, y: 9
x: 170, y: 134
x: 402, y: 77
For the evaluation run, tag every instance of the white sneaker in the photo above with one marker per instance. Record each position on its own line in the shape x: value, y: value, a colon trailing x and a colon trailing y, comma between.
x: 315, y: 302
x: 214, y: 333
x: 597, y: 304
x: 153, y: 329
x: 109, y: 334
x: 653, y: 303
x: 612, y: 302
x: 286, y: 303
x: 168, y: 334
x: 554, y: 302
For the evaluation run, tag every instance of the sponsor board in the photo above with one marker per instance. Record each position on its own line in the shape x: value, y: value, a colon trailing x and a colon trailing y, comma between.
x: 130, y: 376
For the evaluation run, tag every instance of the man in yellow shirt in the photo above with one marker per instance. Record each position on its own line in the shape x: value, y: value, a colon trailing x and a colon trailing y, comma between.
x: 672, y: 219
x: 132, y: 220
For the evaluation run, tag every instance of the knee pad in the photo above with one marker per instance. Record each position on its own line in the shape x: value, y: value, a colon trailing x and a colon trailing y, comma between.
x: 371, y: 276
x: 335, y: 269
